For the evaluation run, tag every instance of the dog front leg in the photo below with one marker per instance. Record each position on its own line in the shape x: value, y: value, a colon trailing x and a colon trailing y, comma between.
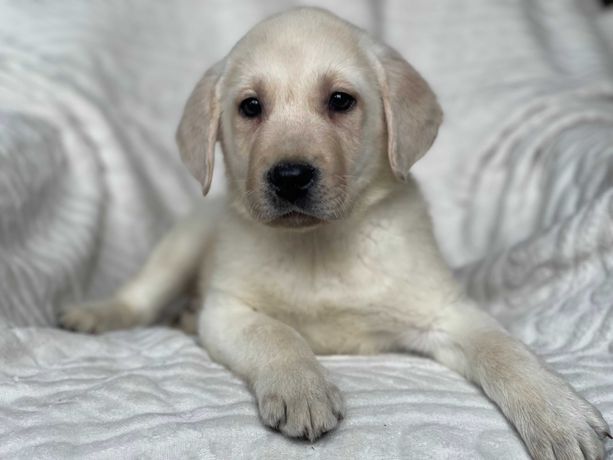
x: 553, y: 420
x: 292, y: 390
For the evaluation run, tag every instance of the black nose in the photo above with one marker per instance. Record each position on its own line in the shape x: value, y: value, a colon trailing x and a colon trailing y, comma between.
x: 292, y: 181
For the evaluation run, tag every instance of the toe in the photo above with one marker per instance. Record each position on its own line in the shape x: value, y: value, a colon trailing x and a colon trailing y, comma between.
x: 592, y: 447
x: 273, y: 411
x: 337, y: 403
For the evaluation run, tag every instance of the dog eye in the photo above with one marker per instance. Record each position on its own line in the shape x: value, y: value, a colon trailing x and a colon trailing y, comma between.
x: 250, y: 107
x: 341, y: 102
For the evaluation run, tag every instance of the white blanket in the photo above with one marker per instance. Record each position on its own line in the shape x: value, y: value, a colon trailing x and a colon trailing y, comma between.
x: 520, y: 183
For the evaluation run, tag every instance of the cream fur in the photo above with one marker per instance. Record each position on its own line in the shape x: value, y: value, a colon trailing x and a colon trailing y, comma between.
x: 370, y: 279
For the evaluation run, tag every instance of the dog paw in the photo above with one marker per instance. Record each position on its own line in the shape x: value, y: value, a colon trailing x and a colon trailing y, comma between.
x: 299, y: 401
x: 99, y: 317
x: 563, y: 426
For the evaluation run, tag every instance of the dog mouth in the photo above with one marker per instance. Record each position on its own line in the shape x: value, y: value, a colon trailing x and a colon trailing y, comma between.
x: 303, y: 214
x: 296, y: 219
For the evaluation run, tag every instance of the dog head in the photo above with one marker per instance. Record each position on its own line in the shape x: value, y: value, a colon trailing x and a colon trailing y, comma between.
x: 315, y: 119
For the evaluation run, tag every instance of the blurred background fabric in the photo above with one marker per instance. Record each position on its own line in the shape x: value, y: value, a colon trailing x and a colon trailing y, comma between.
x: 520, y: 183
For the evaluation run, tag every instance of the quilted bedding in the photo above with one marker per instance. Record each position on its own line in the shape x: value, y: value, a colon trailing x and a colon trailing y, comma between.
x: 520, y: 183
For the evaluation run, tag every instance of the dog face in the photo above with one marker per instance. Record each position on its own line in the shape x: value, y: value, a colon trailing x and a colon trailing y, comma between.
x: 313, y: 118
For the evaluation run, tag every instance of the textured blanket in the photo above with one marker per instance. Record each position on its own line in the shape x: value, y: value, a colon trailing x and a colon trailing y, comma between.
x: 520, y: 183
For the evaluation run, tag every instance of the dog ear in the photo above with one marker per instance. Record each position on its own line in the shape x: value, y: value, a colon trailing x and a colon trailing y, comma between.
x: 412, y: 113
x: 197, y: 132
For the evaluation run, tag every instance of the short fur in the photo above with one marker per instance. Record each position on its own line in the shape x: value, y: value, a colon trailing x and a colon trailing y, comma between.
x: 360, y: 271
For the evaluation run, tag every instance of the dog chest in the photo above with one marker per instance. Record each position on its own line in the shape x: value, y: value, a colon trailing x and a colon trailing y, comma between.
x: 349, y: 298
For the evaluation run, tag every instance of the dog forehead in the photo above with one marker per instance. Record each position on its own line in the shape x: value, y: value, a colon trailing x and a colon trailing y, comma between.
x: 296, y: 45
x: 301, y: 26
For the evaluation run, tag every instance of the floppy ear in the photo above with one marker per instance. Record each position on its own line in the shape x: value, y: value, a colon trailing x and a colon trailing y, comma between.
x: 197, y: 132
x: 412, y: 113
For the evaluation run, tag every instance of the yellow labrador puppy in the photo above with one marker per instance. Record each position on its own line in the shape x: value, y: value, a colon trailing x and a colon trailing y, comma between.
x: 323, y: 243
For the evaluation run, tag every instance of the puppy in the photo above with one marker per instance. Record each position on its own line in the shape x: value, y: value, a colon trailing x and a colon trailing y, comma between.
x: 323, y: 243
